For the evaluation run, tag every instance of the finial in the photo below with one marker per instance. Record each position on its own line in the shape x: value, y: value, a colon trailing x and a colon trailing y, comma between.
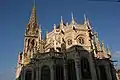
x: 96, y: 34
x: 85, y: 19
x: 108, y: 50
x: 61, y: 23
x: 96, y: 37
x: 54, y: 26
x: 72, y: 15
x: 46, y: 31
x: 73, y: 21
x: 102, y: 42
x: 40, y: 28
x: 103, y: 47
x: 67, y: 24
x: 107, y: 46
x: 46, y: 34
x: 61, y: 20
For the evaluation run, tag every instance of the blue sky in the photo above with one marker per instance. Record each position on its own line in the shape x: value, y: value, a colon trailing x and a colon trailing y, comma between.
x: 14, y: 15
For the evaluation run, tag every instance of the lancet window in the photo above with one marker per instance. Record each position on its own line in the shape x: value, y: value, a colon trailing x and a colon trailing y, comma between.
x: 85, y: 68
x: 45, y: 73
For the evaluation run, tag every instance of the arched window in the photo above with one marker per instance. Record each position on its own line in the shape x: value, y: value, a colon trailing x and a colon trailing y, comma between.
x: 59, y: 72
x: 28, y: 75
x: 25, y: 55
x: 71, y: 70
x: 69, y: 41
x: 32, y: 43
x: 85, y: 68
x: 28, y: 42
x: 80, y: 40
x: 45, y: 73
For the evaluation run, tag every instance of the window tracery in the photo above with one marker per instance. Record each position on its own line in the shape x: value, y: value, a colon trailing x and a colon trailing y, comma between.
x: 80, y: 40
x: 69, y: 41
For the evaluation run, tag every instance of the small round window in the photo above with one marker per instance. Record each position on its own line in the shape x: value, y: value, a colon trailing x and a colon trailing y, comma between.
x: 80, y: 40
x: 69, y: 41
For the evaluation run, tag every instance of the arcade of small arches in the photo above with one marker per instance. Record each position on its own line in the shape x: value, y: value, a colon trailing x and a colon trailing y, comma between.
x: 61, y: 74
x: 80, y: 40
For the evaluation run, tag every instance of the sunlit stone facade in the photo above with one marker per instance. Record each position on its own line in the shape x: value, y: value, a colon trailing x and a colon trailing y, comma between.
x: 71, y: 51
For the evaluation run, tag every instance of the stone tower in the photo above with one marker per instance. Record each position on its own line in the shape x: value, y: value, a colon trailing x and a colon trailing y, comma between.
x: 32, y: 37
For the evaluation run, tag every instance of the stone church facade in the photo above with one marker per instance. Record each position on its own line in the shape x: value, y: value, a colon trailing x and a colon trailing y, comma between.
x: 69, y: 52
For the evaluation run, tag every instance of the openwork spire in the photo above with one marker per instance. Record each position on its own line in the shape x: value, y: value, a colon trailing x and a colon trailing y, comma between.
x: 32, y: 27
x: 33, y: 14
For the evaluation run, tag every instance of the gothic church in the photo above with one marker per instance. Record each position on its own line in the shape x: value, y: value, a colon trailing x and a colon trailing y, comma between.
x: 69, y: 52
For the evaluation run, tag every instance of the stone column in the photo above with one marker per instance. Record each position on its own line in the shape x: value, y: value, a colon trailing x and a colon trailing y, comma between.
x: 22, y: 75
x: 97, y: 72
x: 65, y: 71
x: 52, y: 71
x: 93, y: 69
x: 77, y: 68
x: 33, y: 74
x: 37, y: 73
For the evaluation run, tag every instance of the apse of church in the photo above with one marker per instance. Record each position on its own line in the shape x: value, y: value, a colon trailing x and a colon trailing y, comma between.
x: 69, y: 52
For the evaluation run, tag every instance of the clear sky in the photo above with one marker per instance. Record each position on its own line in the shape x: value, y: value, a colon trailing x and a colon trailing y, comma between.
x: 14, y: 15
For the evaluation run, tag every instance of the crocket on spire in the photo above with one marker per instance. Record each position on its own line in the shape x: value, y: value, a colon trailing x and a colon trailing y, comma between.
x: 32, y: 27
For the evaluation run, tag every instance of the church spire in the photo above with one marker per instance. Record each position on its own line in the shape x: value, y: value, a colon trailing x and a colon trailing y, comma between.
x: 32, y: 27
x: 32, y: 36
x: 33, y: 14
